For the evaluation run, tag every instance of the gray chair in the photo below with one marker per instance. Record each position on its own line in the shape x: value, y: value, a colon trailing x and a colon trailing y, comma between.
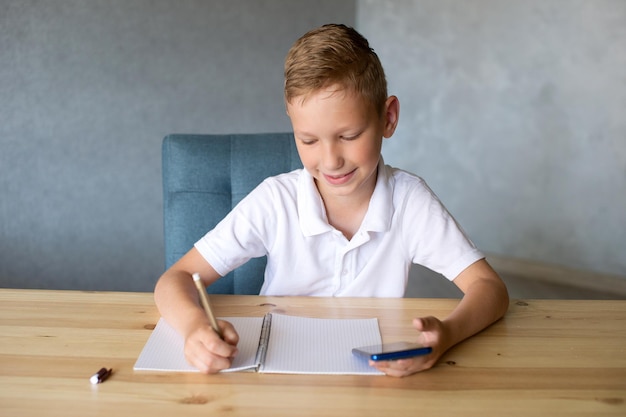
x: 204, y: 176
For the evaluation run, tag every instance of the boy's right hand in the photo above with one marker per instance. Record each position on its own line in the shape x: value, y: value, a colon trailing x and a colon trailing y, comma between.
x: 206, y: 351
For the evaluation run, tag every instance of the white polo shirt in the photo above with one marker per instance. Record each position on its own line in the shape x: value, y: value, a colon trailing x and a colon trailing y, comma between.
x: 284, y: 218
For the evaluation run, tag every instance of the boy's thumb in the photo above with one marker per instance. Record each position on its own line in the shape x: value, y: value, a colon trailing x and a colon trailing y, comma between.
x: 423, y: 323
x: 418, y: 323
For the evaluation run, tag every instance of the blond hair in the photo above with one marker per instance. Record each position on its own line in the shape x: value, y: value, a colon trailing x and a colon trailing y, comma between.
x: 334, y: 55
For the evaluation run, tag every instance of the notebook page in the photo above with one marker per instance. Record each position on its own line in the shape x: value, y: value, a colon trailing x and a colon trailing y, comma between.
x: 164, y: 350
x: 249, y: 331
x: 302, y: 345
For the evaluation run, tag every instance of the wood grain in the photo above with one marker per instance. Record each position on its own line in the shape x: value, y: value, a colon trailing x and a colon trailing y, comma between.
x: 545, y: 358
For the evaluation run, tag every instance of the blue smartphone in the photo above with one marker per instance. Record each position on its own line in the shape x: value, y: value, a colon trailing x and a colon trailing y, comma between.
x: 391, y: 351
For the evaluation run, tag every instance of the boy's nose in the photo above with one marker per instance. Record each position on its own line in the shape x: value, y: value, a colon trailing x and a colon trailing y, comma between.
x: 331, y: 156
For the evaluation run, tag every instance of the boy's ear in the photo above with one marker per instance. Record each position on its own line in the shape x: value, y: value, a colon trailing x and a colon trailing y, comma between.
x: 392, y: 114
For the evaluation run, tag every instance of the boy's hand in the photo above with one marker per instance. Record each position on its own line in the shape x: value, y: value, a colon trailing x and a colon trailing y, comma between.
x: 433, y: 334
x: 206, y: 351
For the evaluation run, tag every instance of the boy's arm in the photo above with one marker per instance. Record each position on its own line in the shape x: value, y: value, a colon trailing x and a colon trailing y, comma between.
x: 486, y: 300
x: 177, y: 299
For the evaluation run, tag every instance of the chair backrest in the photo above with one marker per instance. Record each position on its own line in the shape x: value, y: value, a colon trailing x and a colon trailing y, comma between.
x: 204, y: 176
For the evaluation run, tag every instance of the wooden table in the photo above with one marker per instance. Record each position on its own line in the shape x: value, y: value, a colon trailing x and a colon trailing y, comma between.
x: 547, y: 358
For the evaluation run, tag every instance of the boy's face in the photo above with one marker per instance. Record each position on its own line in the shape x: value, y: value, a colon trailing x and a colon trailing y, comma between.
x: 339, y: 138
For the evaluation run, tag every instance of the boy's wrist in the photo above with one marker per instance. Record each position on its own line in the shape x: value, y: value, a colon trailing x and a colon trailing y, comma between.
x: 451, y: 334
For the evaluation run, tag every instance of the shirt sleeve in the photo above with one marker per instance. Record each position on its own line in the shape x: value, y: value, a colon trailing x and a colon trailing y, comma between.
x: 242, y: 235
x: 434, y: 238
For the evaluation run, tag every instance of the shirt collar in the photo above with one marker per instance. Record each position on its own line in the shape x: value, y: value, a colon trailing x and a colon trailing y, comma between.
x: 311, y: 211
x: 380, y: 210
x: 312, y: 214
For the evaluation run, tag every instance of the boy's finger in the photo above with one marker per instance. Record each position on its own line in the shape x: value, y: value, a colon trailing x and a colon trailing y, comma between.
x: 230, y: 334
x: 424, y: 324
x: 212, y: 343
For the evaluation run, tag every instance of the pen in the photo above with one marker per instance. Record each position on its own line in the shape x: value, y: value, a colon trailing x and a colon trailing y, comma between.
x: 100, y: 376
x: 204, y: 299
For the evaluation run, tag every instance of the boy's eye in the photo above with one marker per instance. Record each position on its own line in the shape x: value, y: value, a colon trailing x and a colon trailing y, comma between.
x: 350, y: 137
x: 308, y: 141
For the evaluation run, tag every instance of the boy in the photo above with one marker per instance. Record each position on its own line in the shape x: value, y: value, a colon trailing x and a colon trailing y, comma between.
x: 345, y: 225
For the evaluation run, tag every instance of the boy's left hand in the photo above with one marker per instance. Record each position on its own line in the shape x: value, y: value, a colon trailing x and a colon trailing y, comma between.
x: 433, y: 334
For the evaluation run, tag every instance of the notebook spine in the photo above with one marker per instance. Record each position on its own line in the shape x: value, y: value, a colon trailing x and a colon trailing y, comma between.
x: 263, y: 341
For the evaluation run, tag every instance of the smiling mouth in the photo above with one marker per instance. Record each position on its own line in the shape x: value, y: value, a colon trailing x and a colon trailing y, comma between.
x: 339, y: 179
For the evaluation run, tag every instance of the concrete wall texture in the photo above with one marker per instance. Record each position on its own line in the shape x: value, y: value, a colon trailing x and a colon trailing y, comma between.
x: 514, y: 112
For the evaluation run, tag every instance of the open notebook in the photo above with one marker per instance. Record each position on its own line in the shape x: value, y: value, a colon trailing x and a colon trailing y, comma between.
x: 276, y: 343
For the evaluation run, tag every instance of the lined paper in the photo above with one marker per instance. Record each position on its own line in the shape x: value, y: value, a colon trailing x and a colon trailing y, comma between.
x: 164, y: 350
x: 302, y: 345
x: 297, y: 345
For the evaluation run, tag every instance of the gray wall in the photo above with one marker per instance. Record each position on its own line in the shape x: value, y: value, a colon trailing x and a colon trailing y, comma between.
x: 89, y: 89
x: 515, y: 114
